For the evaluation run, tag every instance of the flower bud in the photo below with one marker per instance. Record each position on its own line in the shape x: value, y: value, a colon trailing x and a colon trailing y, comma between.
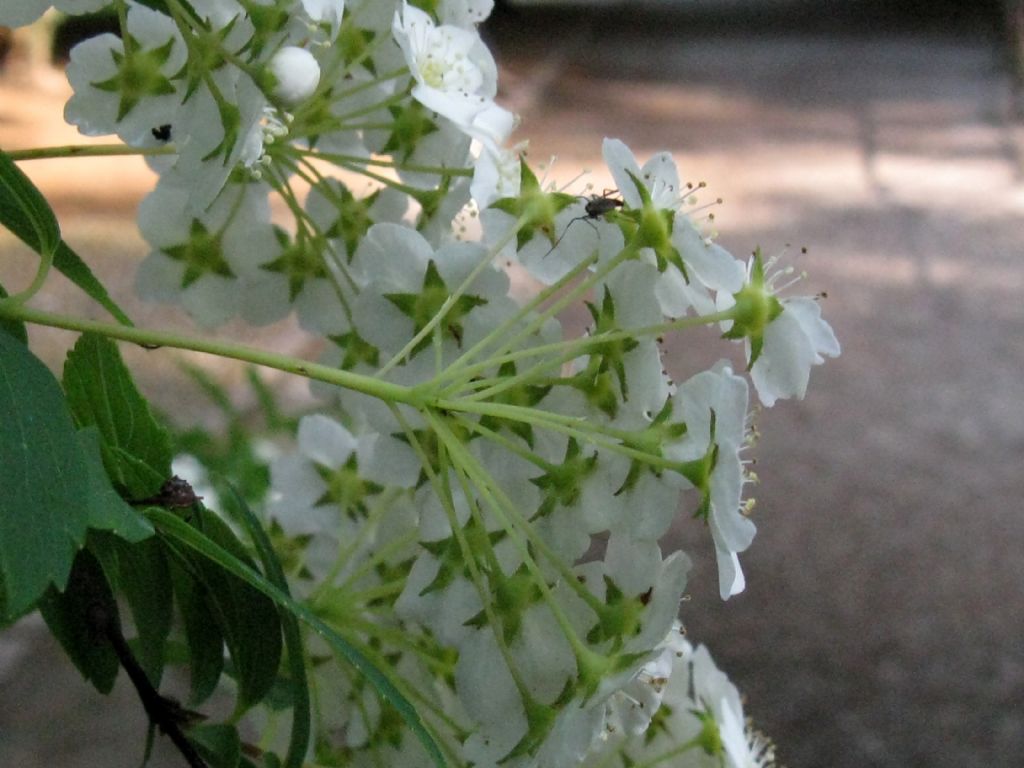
x: 294, y: 75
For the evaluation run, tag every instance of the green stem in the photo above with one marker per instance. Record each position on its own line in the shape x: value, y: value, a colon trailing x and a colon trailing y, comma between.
x: 572, y: 295
x: 45, y: 262
x: 684, y: 747
x: 458, y: 367
x: 367, y: 385
x: 600, y: 436
x: 574, y: 348
x: 509, y: 518
x: 436, y: 320
x: 355, y: 161
x: 87, y: 150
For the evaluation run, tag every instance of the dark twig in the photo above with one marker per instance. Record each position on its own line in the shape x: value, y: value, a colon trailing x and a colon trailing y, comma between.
x: 164, y: 713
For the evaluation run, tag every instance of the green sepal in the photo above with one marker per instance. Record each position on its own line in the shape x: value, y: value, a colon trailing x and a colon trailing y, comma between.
x: 424, y: 305
x: 540, y: 719
x: 651, y: 440
x: 562, y: 484
x: 754, y: 309
x: 619, y: 617
x: 538, y: 207
x: 654, y: 230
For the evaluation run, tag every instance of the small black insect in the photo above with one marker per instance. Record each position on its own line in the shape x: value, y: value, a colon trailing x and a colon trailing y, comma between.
x: 596, y: 207
x: 162, y: 133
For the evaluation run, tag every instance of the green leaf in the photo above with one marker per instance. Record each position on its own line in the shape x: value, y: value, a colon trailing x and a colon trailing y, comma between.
x: 100, y: 391
x: 141, y: 574
x: 71, y: 265
x: 217, y: 743
x: 44, y: 476
x: 178, y: 530
x: 247, y: 619
x: 14, y: 328
x: 299, y: 741
x: 25, y: 212
x: 68, y: 615
x: 202, y: 633
x: 105, y: 509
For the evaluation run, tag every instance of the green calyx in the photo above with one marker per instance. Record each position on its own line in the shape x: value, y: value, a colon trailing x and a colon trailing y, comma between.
x: 698, y: 472
x: 651, y: 440
x: 346, y: 488
x: 562, y: 484
x: 423, y: 306
x: 201, y: 254
x: 710, y: 737
x: 535, y: 206
x: 654, y: 230
x: 620, y: 616
x: 139, y: 74
x: 755, y: 308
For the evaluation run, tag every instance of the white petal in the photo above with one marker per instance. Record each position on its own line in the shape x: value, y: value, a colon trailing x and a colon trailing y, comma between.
x: 325, y: 10
x: 661, y: 177
x: 619, y: 159
x: 325, y: 441
x: 730, y: 574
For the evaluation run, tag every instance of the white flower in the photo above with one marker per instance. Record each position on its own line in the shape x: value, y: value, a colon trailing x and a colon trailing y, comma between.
x: 659, y: 174
x: 744, y: 747
x: 713, y: 405
x: 197, y: 259
x: 465, y: 13
x: 690, y: 713
x: 793, y: 342
x: 794, y: 338
x: 325, y: 11
x: 455, y: 74
x: 296, y: 74
x: 496, y: 174
x: 208, y: 150
x: 690, y: 265
x: 128, y: 90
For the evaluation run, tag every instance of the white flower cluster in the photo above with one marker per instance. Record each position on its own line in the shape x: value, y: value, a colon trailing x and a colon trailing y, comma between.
x: 485, y: 516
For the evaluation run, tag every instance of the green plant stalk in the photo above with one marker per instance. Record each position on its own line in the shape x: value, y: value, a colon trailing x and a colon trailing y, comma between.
x: 458, y: 367
x: 382, y: 390
x: 454, y: 297
x: 505, y: 514
x: 88, y: 150
x: 577, y: 348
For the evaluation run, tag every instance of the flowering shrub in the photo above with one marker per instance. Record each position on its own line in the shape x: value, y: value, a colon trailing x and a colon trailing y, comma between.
x: 460, y: 561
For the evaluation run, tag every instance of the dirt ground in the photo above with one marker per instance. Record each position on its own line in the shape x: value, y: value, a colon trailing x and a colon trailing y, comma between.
x: 881, y: 625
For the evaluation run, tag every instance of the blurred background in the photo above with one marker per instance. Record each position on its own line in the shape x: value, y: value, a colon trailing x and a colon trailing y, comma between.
x: 883, y: 621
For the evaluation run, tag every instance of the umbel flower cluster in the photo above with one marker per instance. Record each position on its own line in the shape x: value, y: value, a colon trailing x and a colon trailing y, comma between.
x: 481, y: 507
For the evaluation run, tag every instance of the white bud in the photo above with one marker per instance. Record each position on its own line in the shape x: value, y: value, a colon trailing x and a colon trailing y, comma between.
x: 296, y: 74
